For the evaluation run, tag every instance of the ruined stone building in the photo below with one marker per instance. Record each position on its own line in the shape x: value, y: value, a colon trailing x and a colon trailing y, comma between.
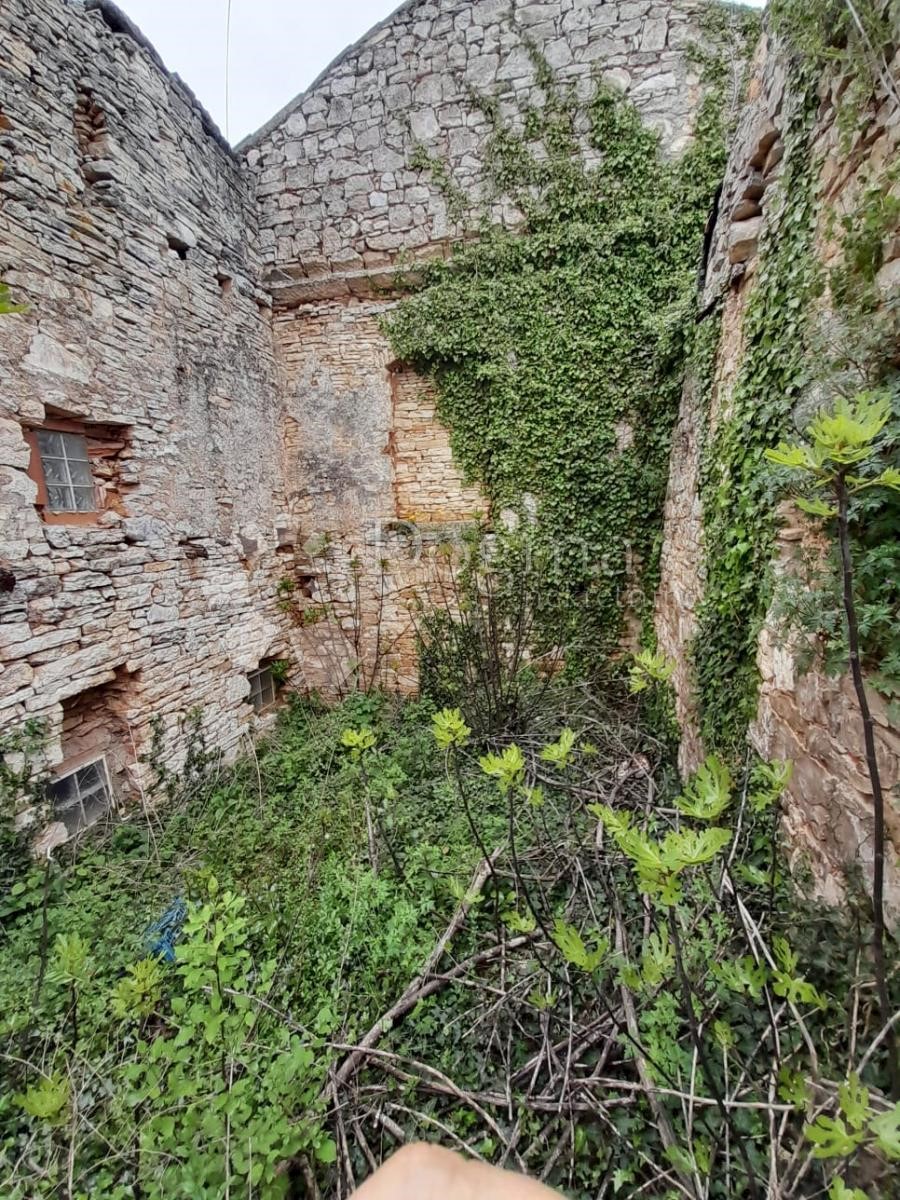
x: 199, y: 396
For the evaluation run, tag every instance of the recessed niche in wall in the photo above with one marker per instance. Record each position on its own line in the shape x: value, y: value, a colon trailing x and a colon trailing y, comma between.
x: 92, y: 137
x: 306, y: 585
x: 177, y: 245
x: 96, y: 743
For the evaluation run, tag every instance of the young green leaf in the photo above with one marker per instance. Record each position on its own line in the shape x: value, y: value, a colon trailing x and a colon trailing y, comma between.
x: 48, y: 1100
x: 559, y: 752
x: 507, y: 768
x: 854, y: 1101
x: 709, y: 792
x: 649, y: 667
x: 571, y: 946
x: 840, y: 1191
x: 816, y: 508
x: 449, y: 728
x: 886, y: 1129
x: 831, y: 1138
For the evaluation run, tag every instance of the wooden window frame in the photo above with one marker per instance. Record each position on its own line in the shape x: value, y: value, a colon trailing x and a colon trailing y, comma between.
x: 36, y: 472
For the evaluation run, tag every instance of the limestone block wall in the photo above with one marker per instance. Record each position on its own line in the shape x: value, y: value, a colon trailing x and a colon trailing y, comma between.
x: 335, y: 362
x: 373, y: 492
x: 807, y: 718
x: 336, y: 188
x: 428, y: 486
x: 127, y: 227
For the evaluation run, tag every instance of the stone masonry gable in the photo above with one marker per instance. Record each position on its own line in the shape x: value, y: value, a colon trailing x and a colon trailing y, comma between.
x: 120, y: 22
x: 336, y: 192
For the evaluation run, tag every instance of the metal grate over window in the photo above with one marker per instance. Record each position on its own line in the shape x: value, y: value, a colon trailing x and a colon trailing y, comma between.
x: 67, y: 471
x: 263, y: 691
x: 82, y: 796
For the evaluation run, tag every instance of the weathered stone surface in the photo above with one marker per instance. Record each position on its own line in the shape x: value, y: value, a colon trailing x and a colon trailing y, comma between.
x: 745, y: 210
x: 407, y: 83
x: 808, y: 718
x: 142, y: 315
x: 46, y: 354
x: 367, y: 444
x: 221, y: 314
x: 743, y: 238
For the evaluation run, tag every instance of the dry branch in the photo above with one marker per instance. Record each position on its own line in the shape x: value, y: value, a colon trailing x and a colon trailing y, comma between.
x: 418, y: 989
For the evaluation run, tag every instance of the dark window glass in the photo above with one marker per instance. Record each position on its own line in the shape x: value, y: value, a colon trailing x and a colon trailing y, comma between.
x: 263, y: 692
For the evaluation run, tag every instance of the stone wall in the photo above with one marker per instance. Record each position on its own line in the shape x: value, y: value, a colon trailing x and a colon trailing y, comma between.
x: 127, y: 227
x: 373, y: 491
x: 269, y: 482
x: 342, y: 210
x: 808, y: 718
x: 336, y: 188
x: 428, y: 487
x: 252, y: 448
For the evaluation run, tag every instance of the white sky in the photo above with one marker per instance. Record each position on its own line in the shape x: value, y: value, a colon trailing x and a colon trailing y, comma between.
x: 278, y: 47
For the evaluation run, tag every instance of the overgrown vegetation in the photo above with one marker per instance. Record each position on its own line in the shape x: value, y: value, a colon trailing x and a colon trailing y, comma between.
x: 811, y: 336
x: 537, y: 949
x: 839, y: 460
x: 850, y: 37
x: 739, y: 517
x: 126, y: 1074
x: 495, y: 916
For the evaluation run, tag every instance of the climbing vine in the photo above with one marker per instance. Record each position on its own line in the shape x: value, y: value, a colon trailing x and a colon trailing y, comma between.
x: 792, y: 358
x: 558, y: 348
x: 855, y: 39
x: 739, y: 518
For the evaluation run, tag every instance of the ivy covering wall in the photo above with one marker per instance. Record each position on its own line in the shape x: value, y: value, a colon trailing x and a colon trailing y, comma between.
x: 558, y: 349
x: 810, y: 334
x: 739, y: 514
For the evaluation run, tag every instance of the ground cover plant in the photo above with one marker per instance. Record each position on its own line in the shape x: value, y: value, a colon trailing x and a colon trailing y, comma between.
x: 540, y: 949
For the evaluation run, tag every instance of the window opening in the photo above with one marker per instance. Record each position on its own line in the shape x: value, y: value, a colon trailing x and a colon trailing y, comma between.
x: 82, y: 796
x: 263, y: 689
x: 67, y: 471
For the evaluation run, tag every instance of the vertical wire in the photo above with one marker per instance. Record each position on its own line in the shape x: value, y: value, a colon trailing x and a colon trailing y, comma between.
x: 227, y: 64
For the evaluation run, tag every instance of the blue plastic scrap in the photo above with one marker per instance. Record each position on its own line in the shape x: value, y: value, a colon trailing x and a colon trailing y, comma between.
x: 164, y: 933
